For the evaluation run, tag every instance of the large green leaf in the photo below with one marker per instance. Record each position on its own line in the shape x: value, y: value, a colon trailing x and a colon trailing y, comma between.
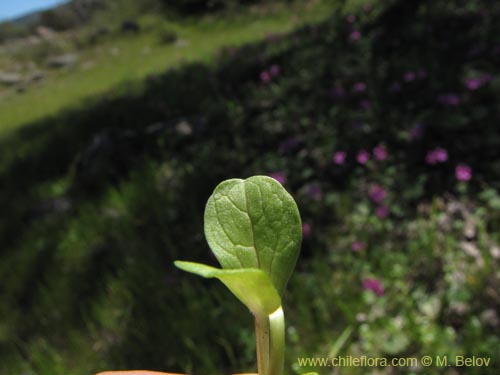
x: 254, y: 223
x: 251, y: 285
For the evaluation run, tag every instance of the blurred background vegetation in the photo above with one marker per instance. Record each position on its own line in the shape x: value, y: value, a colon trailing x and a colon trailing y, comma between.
x: 119, y: 117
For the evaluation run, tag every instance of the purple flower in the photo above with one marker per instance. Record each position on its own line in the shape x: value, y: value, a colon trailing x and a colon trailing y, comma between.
x: 351, y: 18
x: 430, y: 158
x: 463, y: 172
x: 382, y: 212
x: 279, y: 176
x: 487, y: 78
x: 365, y: 104
x: 475, y: 83
x: 288, y: 144
x: 410, y: 76
x: 438, y: 155
x: 355, y: 36
x: 357, y: 246
x: 275, y: 70
x: 449, y: 100
x: 338, y: 92
x: 363, y: 157
x: 359, y: 87
x: 315, y: 192
x: 416, y: 132
x: 265, y: 77
x: 377, y: 194
x: 306, y: 230
x: 441, y: 155
x: 339, y: 157
x: 374, y: 285
x: 380, y: 152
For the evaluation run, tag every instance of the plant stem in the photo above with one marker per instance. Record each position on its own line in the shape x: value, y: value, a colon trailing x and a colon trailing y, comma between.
x: 277, y: 342
x: 262, y: 338
x: 270, y: 337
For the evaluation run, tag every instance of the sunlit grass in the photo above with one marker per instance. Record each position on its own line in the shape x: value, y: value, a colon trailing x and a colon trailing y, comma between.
x: 131, y: 59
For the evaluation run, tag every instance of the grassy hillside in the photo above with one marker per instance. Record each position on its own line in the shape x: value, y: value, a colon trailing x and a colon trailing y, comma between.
x: 382, y: 123
x: 128, y: 58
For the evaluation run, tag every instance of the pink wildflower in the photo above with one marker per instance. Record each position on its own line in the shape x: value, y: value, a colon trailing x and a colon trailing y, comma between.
x: 359, y: 87
x: 355, y: 36
x: 338, y: 92
x: 416, y: 132
x: 441, y: 155
x: 410, y: 76
x: 357, y: 246
x: 377, y: 194
x: 306, y: 230
x: 438, y: 155
x: 315, y: 192
x: 374, y: 285
x: 449, y: 100
x: 279, y: 176
x: 339, y: 157
x: 382, y: 212
x: 265, y: 77
x: 463, y: 172
x: 380, y: 152
x: 275, y: 70
x: 288, y: 144
x: 365, y: 104
x: 475, y: 83
x: 363, y: 157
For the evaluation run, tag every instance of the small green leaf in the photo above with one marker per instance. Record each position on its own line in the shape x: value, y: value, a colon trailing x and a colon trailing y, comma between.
x: 254, y: 223
x: 251, y: 285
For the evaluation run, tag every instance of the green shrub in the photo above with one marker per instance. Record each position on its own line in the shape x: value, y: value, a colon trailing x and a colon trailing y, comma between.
x: 60, y: 19
x: 201, y: 6
x: 9, y: 30
x: 167, y: 36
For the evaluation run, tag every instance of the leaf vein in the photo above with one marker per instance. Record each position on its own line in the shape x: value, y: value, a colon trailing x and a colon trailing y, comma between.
x: 227, y: 235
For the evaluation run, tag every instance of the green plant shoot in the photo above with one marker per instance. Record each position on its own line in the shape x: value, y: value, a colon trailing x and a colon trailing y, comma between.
x: 254, y: 229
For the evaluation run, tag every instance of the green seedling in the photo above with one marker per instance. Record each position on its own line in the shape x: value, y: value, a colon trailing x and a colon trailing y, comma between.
x: 254, y: 229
